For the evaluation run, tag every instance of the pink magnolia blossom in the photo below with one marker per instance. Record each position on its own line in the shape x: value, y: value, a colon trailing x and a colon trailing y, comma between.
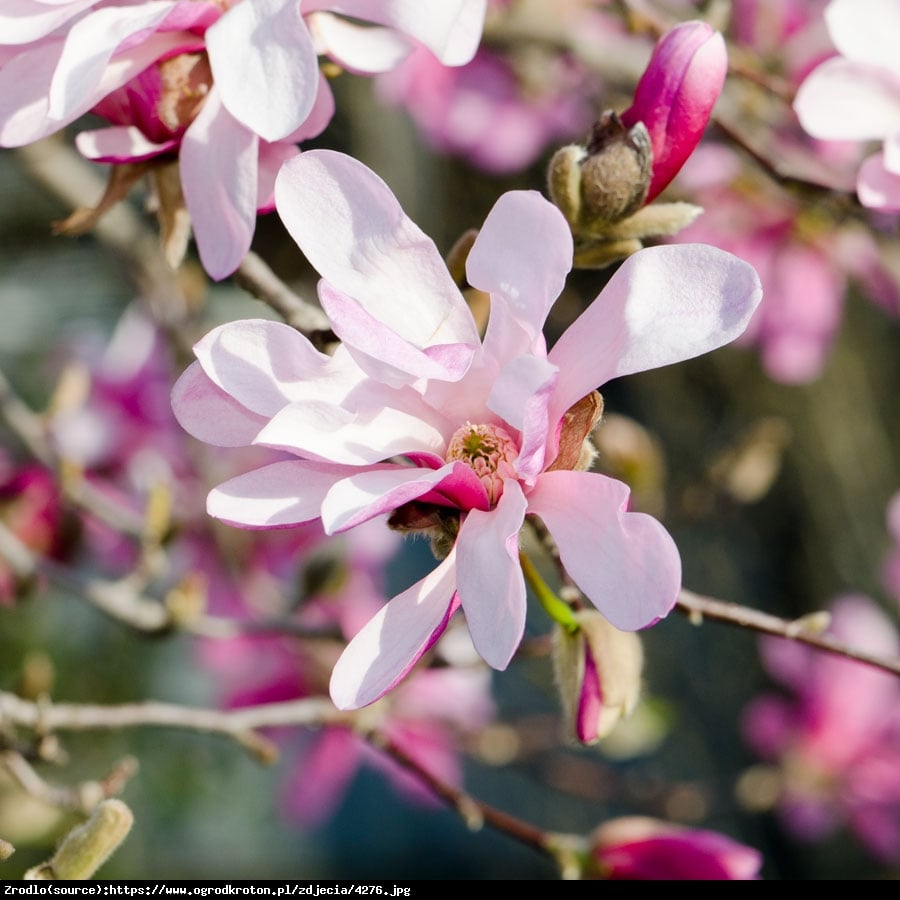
x: 231, y: 87
x: 414, y: 417
x: 855, y: 95
x: 836, y: 737
x: 642, y: 849
x: 676, y: 95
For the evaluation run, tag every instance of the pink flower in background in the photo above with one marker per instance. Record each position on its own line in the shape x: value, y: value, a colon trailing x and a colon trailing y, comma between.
x: 413, y: 417
x: 855, y: 96
x: 343, y: 588
x: 676, y: 95
x: 805, y: 269
x: 836, y: 737
x: 229, y: 87
x: 642, y: 849
x: 891, y: 571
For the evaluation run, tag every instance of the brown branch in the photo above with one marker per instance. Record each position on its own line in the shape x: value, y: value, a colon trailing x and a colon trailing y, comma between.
x: 804, y: 630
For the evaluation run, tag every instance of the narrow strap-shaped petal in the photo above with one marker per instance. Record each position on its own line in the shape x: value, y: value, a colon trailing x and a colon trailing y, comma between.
x: 625, y: 563
x: 394, y: 640
x: 123, y: 143
x: 24, y: 21
x: 489, y: 577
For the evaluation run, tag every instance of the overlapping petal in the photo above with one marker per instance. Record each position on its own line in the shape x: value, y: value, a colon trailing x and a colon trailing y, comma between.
x: 626, y: 563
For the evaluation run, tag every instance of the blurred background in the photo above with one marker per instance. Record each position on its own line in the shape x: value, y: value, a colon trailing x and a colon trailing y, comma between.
x: 775, y: 489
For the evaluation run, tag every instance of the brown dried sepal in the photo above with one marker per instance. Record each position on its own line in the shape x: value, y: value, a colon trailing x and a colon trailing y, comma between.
x: 577, y: 425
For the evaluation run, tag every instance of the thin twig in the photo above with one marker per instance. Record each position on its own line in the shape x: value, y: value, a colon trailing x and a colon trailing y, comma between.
x: 698, y: 607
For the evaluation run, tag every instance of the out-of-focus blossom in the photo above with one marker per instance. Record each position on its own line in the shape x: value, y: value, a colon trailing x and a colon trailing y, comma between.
x: 231, y: 87
x: 341, y: 589
x: 643, y: 849
x: 855, y: 96
x: 413, y: 417
x: 598, y: 672
x: 604, y: 187
x: 804, y: 261
x: 836, y: 738
x: 30, y: 508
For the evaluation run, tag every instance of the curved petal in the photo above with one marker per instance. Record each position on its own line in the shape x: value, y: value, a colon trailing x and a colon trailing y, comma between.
x: 522, y: 254
x: 521, y: 395
x: 394, y: 640
x: 877, y: 187
x: 278, y: 495
x: 865, y: 33
x: 663, y: 305
x: 263, y: 364
x: 265, y: 66
x: 271, y: 158
x: 358, y: 48
x: 331, y: 432
x: 319, y: 116
x: 219, y: 158
x: 89, y: 47
x: 843, y: 100
x: 207, y: 413
x: 375, y: 492
x: 24, y: 21
x: 119, y: 144
x: 353, y: 231
x: 625, y: 563
x: 489, y: 577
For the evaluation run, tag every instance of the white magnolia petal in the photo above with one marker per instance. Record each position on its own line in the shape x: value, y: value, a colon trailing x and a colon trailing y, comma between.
x: 393, y: 641
x: 489, y: 577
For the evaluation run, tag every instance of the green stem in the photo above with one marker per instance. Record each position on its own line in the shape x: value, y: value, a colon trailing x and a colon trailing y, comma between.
x: 557, y: 609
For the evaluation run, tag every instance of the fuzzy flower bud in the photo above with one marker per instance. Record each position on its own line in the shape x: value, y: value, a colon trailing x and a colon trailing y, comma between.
x: 676, y: 94
x: 598, y: 672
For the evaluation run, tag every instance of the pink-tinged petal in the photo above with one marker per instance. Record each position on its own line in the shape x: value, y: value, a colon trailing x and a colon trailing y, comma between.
x: 219, y: 178
x: 362, y: 49
x: 369, y: 494
x: 330, y: 432
x: 278, y: 495
x: 521, y: 395
x: 207, y: 413
x: 319, y: 116
x: 489, y: 577
x: 877, y: 187
x: 663, y: 305
x: 382, y: 353
x: 265, y: 66
x: 676, y: 95
x: 321, y: 776
x: 353, y: 231
x: 264, y: 365
x: 394, y: 640
x: 120, y: 144
x: 451, y: 29
x: 843, y: 100
x: 271, y: 159
x: 522, y: 254
x: 89, y: 47
x: 23, y: 21
x: 625, y: 563
x: 865, y: 32
x: 590, y: 701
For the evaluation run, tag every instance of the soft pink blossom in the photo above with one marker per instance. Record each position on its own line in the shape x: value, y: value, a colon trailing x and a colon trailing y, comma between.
x: 890, y: 574
x: 257, y: 89
x: 836, y: 737
x: 856, y: 95
x: 676, y: 95
x: 642, y: 849
x: 414, y: 417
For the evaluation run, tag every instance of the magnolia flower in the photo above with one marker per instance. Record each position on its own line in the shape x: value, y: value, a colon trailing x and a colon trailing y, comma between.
x: 642, y: 849
x: 415, y: 418
x: 855, y: 95
x: 230, y: 86
x: 836, y: 739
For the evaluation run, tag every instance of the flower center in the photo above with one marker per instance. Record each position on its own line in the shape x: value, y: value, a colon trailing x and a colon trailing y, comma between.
x: 489, y: 451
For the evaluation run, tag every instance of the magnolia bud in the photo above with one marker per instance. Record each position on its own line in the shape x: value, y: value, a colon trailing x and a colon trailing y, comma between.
x: 598, y: 673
